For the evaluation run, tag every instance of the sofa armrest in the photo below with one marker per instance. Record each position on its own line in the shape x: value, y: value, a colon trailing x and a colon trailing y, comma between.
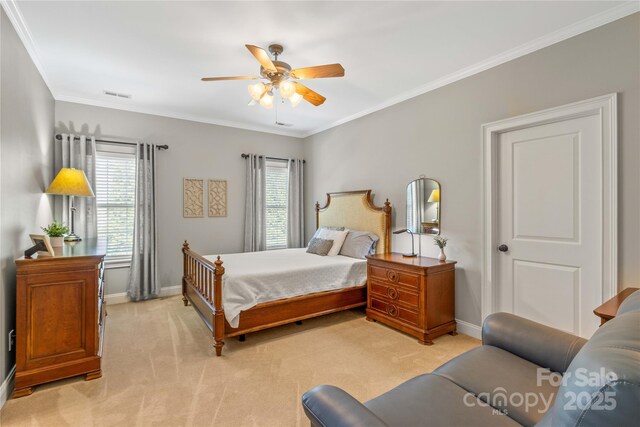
x: 330, y: 406
x: 545, y: 346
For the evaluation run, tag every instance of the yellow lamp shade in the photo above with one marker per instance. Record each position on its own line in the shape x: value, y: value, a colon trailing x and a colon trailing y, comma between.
x: 434, y: 197
x: 71, y: 182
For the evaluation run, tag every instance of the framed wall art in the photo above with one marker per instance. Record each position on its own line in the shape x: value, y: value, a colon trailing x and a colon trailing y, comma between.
x: 193, y: 198
x: 217, y: 197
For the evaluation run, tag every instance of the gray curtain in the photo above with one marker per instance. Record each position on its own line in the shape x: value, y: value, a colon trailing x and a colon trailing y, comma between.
x: 255, y: 224
x: 143, y: 275
x: 78, y: 154
x: 295, y: 209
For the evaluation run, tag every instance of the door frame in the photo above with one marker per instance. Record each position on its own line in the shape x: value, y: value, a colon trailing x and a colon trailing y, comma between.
x: 605, y: 107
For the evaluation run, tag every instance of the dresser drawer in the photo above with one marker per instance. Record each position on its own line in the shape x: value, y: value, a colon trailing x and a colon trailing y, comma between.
x: 394, y: 311
x: 392, y: 293
x: 395, y: 277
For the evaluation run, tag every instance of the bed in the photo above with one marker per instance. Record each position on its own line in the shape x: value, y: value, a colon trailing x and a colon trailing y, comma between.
x: 206, y: 282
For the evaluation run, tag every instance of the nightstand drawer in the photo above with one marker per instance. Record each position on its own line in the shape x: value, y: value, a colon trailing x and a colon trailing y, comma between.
x: 393, y: 293
x: 394, y: 311
x: 394, y: 277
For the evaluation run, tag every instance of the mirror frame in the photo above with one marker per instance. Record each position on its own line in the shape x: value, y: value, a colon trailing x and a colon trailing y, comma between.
x: 439, y: 206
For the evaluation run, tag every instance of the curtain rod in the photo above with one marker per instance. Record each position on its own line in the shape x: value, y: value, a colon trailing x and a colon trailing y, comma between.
x: 245, y: 155
x: 106, y: 141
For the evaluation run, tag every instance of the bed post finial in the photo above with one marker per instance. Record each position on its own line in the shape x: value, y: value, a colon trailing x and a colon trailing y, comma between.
x: 219, y: 268
x: 185, y: 245
x: 387, y: 206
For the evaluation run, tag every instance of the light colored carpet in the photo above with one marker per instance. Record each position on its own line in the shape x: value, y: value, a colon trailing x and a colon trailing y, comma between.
x: 159, y: 369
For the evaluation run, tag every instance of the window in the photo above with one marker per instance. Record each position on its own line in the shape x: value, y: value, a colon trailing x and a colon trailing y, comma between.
x: 115, y: 199
x: 277, y: 197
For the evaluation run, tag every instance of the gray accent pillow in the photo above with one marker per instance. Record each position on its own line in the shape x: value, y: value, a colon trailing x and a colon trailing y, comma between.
x: 319, y: 246
x: 315, y: 235
x: 359, y: 244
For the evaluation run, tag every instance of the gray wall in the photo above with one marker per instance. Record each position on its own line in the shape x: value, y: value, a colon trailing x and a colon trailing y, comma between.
x: 26, y: 158
x: 438, y: 134
x: 196, y: 150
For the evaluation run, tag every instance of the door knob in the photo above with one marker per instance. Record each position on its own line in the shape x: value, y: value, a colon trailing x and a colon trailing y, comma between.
x: 503, y: 248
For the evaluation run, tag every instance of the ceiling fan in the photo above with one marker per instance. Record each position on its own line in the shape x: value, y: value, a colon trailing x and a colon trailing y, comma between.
x: 280, y: 77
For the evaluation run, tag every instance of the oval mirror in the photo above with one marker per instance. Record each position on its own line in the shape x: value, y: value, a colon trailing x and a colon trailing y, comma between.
x: 423, y: 206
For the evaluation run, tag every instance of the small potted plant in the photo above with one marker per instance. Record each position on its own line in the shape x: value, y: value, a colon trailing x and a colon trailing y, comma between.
x: 441, y: 242
x: 56, y: 231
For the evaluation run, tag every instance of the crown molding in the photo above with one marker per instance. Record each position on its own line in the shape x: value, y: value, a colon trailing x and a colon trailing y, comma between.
x: 13, y: 13
x: 11, y: 9
x: 595, y: 21
x: 174, y: 115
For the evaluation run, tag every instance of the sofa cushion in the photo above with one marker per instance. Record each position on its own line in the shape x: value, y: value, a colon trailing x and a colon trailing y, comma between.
x: 505, y: 381
x: 431, y: 400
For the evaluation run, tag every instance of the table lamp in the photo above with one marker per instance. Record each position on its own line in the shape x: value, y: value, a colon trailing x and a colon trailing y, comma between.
x: 413, y: 252
x: 435, y: 198
x: 71, y: 182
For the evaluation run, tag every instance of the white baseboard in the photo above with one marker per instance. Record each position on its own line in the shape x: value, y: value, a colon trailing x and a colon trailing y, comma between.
x: 121, y: 297
x: 470, y: 329
x: 118, y: 298
x: 5, y: 389
x: 170, y: 291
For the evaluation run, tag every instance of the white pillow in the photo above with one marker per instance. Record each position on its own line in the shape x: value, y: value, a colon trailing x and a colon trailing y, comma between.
x: 337, y: 236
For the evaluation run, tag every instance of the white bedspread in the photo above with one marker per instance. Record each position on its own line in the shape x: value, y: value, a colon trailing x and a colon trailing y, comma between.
x: 256, y: 277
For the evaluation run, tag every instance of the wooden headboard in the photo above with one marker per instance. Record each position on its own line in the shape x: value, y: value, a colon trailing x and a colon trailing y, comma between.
x: 355, y: 210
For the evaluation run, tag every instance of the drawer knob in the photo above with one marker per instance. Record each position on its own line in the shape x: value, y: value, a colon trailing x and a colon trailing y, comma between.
x: 392, y: 293
x: 392, y: 310
x: 392, y: 276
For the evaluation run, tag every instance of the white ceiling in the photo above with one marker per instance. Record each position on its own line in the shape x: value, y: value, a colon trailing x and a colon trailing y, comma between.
x: 158, y: 51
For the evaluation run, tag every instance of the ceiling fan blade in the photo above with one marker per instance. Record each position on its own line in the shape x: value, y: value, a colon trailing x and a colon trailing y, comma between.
x: 319, y: 72
x: 310, y: 96
x: 215, y: 79
x: 263, y: 57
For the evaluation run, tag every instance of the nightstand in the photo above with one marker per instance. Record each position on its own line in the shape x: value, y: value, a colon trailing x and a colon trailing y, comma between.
x: 414, y: 295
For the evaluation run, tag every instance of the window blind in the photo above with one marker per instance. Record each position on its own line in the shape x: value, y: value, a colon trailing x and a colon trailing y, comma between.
x: 277, y: 197
x: 115, y: 200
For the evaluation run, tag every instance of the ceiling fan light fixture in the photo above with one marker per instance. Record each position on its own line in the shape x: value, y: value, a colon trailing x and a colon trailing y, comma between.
x: 256, y: 90
x: 267, y: 100
x: 287, y: 89
x: 295, y: 99
x: 276, y: 75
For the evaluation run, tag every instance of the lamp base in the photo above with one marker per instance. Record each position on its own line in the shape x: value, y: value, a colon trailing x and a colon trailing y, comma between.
x: 72, y: 238
x: 409, y: 255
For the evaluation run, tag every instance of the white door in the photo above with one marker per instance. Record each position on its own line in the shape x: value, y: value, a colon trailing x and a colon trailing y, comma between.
x: 550, y: 221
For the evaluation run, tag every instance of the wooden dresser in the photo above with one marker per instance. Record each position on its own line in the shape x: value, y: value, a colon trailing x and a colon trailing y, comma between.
x: 60, y: 315
x: 414, y: 295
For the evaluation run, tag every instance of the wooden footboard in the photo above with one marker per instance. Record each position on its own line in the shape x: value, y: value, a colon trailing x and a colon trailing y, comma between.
x: 202, y: 286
